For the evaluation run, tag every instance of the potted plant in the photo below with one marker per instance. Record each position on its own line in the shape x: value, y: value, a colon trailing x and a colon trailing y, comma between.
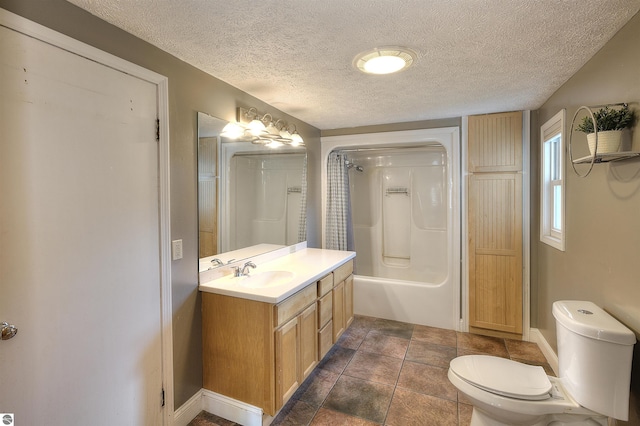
x: 610, y: 123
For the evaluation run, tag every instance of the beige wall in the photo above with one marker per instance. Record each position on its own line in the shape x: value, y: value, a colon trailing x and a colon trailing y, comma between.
x: 395, y: 127
x: 601, y: 261
x: 190, y: 90
x: 602, y: 258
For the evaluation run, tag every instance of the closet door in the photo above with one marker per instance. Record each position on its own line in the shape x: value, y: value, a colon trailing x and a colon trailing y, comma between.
x: 495, y: 251
x: 495, y: 223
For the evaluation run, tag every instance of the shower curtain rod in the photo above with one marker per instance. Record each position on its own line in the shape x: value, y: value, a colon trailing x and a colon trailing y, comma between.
x: 262, y: 153
x: 386, y: 148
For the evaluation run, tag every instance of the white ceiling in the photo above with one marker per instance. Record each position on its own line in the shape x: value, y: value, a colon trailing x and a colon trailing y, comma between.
x: 474, y: 56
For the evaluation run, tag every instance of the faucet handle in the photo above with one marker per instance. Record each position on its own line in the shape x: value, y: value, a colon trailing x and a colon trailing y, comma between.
x: 236, y: 271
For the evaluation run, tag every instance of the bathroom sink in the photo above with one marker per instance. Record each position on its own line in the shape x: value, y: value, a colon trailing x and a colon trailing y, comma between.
x: 265, y: 279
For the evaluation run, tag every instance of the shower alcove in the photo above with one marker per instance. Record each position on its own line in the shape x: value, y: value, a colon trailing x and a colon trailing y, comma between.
x: 405, y: 216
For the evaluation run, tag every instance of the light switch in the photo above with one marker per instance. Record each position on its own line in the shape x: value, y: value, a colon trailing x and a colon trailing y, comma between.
x: 176, y: 249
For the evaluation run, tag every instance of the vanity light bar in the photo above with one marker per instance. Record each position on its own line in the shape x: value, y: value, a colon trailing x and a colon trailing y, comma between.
x: 262, y: 130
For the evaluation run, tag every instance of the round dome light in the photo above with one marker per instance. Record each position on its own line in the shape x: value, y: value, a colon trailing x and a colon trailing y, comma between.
x: 384, y: 60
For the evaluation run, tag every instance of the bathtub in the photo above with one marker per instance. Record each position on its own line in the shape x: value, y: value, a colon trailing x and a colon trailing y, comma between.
x: 430, y: 304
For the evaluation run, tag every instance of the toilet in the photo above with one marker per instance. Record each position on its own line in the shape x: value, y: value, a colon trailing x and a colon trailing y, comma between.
x: 594, y: 365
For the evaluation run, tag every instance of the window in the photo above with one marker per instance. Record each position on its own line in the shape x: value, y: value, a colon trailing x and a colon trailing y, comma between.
x: 552, y: 230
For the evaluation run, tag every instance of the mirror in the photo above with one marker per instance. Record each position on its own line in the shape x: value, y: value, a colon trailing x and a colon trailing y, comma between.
x: 251, y: 198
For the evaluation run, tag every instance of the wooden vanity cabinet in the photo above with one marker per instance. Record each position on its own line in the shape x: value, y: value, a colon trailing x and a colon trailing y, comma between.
x: 260, y: 353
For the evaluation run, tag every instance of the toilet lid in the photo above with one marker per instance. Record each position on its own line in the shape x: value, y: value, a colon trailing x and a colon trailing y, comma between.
x: 503, y: 376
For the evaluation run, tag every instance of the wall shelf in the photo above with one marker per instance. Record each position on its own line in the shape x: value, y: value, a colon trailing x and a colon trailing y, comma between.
x: 598, y: 158
x: 607, y: 157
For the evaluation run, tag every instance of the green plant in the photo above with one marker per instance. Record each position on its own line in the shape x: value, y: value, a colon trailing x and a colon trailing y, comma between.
x: 608, y: 119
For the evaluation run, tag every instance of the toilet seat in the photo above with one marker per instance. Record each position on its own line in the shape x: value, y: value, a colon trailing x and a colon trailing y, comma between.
x: 503, y: 377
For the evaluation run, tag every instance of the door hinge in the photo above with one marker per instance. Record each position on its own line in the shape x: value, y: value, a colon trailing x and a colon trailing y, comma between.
x: 157, y: 130
x: 162, y: 398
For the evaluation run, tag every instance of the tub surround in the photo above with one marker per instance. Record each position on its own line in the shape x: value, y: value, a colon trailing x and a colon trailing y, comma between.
x: 427, y: 166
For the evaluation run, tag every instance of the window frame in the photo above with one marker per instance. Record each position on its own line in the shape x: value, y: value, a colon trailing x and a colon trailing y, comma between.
x: 552, y: 210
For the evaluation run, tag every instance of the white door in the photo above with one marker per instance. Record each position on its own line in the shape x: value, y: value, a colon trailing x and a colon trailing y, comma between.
x: 79, y: 240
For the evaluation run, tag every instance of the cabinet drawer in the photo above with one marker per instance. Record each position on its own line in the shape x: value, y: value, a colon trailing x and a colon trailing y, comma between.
x: 294, y: 304
x: 325, y: 340
x: 342, y: 272
x: 325, y: 309
x: 325, y: 285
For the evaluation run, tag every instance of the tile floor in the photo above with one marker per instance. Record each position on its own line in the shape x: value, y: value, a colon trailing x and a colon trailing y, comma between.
x: 384, y: 372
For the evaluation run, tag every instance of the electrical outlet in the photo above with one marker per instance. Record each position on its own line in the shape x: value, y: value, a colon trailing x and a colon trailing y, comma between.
x: 176, y: 249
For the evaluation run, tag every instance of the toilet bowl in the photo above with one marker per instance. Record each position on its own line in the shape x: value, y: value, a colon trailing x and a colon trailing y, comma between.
x: 507, y: 393
x: 594, y: 353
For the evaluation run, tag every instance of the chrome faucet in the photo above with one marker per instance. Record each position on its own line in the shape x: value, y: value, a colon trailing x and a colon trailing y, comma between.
x: 237, y: 272
x: 216, y: 262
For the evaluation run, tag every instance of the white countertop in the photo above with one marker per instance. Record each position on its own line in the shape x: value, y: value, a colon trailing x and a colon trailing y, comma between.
x: 307, y: 266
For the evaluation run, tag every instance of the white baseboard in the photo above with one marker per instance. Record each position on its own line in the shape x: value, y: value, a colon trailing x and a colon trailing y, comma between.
x: 189, y: 410
x: 231, y: 409
x: 548, y: 352
x: 220, y: 405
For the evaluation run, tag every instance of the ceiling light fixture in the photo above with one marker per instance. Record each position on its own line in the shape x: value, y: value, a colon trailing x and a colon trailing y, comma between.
x: 384, y: 60
x: 261, y: 130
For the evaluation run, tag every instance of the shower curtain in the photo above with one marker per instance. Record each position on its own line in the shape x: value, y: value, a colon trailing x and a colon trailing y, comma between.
x: 302, y: 227
x: 339, y: 228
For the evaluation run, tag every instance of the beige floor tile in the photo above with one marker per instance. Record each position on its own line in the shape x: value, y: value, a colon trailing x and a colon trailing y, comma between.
x: 383, y: 344
x: 336, y: 359
x: 464, y: 414
x: 547, y: 368
x: 316, y: 387
x: 360, y: 398
x: 295, y: 413
x: 482, y: 344
x: 524, y: 350
x: 352, y: 338
x: 414, y: 409
x: 374, y: 367
x: 326, y: 417
x: 393, y: 328
x: 429, y: 353
x: 427, y: 379
x: 439, y: 336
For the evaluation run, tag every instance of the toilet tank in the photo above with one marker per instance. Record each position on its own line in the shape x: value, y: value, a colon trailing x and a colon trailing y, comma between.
x: 594, y: 354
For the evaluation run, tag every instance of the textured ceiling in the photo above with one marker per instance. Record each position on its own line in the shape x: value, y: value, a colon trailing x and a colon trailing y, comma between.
x: 474, y: 56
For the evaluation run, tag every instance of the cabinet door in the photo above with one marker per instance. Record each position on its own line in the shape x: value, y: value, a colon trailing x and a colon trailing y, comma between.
x: 308, y: 341
x: 495, y: 251
x: 495, y: 142
x: 348, y: 300
x: 325, y: 339
x: 287, y: 365
x: 338, y: 311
